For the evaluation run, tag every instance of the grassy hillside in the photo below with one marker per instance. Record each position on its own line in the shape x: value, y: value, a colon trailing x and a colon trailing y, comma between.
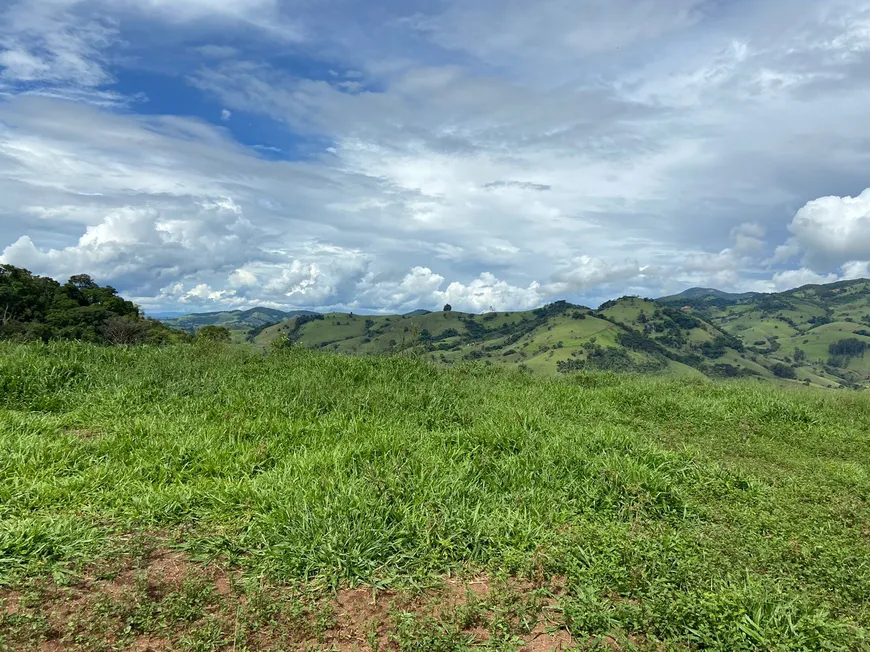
x: 238, y: 322
x: 697, y: 333
x: 805, y: 322
x: 206, y: 497
x: 629, y: 334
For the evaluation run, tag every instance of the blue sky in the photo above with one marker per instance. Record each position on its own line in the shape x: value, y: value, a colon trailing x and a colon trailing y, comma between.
x: 384, y: 156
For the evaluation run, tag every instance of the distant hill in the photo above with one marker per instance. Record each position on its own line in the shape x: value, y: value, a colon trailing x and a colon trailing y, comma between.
x: 788, y: 337
x: 240, y: 321
x: 629, y: 334
x: 707, y: 294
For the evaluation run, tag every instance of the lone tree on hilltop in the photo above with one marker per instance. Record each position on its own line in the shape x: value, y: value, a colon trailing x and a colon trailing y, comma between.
x: 447, y: 307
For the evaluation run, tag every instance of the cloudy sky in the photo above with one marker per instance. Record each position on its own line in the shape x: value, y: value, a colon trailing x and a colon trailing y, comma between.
x: 389, y: 155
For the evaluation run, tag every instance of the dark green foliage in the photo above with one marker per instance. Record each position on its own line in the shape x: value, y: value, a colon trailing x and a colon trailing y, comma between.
x: 820, y: 320
x: 799, y: 355
x: 475, y: 330
x: 781, y: 370
x: 719, y: 345
x: 553, y: 309
x: 769, y: 303
x: 633, y: 340
x: 682, y: 319
x: 610, y: 359
x: 729, y: 371
x: 214, y: 334
x: 447, y: 307
x: 39, y: 308
x: 850, y: 347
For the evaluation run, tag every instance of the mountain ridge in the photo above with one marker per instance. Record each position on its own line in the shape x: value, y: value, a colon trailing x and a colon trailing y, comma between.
x: 787, y: 337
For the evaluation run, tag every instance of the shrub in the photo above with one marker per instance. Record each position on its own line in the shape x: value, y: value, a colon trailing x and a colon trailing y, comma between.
x: 214, y: 334
x: 781, y: 370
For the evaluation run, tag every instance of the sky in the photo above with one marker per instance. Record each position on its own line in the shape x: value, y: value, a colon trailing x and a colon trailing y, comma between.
x: 384, y: 156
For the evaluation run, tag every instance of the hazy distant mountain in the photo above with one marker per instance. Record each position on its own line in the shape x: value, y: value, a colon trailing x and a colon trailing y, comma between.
x: 234, y: 320
x: 707, y: 293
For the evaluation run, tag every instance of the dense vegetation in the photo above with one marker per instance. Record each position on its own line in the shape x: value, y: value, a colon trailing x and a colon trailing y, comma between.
x: 39, y: 308
x: 661, y: 513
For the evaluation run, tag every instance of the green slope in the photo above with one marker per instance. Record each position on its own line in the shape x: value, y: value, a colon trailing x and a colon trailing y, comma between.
x: 811, y: 318
x: 700, y: 332
x: 629, y: 334
x: 238, y: 322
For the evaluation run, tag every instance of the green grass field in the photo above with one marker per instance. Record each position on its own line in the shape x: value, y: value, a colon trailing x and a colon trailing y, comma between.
x: 206, y: 497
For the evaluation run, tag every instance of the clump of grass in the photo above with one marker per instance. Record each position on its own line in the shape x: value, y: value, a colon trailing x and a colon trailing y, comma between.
x: 723, y: 516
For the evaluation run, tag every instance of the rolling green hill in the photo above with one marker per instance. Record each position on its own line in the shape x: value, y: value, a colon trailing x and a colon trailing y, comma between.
x: 238, y: 322
x: 784, y: 338
x: 706, y: 293
x: 798, y: 327
x: 628, y: 334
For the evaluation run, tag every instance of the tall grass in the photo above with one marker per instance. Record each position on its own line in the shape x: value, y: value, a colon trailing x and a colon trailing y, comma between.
x: 720, y: 515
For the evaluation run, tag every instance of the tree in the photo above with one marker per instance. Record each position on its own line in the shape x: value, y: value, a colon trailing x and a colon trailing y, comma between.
x: 214, y: 334
x: 39, y: 308
x: 799, y: 355
x: 447, y: 307
x: 120, y: 330
x: 850, y: 347
x: 781, y: 370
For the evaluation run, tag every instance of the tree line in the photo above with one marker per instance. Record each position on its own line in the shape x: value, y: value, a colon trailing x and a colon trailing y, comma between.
x: 39, y: 308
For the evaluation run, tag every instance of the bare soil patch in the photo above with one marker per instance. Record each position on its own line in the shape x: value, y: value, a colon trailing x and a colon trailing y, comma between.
x: 159, y: 600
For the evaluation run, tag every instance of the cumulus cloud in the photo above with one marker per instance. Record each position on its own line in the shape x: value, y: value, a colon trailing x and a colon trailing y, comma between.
x: 833, y: 230
x: 422, y: 286
x: 142, y: 245
x: 586, y: 272
x: 855, y: 269
x: 793, y: 278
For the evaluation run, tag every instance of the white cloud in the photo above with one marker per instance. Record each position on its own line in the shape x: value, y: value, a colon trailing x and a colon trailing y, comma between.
x: 797, y: 277
x: 586, y: 273
x: 47, y: 42
x: 242, y: 278
x: 855, y: 269
x: 505, y: 31
x: 833, y: 230
x: 143, y: 245
x: 748, y: 238
x: 422, y: 286
x: 226, y: 114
